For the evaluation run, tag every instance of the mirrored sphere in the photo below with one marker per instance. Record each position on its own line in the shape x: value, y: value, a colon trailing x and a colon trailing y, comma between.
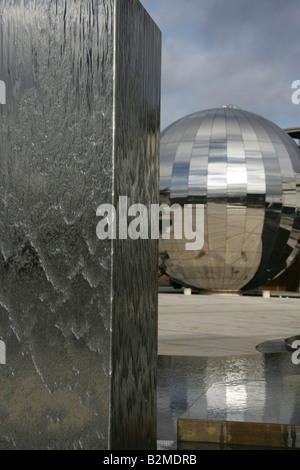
x: 245, y: 170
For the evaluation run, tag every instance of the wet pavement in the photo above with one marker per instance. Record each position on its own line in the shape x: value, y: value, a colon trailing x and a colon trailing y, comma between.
x: 262, y: 386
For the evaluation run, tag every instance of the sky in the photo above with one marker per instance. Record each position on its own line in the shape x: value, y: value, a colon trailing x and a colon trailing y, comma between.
x: 244, y: 53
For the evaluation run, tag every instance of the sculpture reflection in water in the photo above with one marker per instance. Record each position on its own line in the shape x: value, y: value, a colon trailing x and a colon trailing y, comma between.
x: 246, y: 172
x: 223, y: 389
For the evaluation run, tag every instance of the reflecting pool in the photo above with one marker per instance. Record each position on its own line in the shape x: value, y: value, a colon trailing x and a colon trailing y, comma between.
x: 183, y: 380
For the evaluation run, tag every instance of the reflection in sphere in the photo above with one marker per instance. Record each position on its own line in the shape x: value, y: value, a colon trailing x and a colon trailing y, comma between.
x: 245, y: 170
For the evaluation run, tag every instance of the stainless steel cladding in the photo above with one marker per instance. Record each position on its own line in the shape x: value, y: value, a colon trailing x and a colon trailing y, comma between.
x: 246, y: 172
x: 78, y: 315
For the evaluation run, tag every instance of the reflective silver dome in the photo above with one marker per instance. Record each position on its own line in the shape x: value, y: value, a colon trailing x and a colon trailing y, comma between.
x: 246, y: 172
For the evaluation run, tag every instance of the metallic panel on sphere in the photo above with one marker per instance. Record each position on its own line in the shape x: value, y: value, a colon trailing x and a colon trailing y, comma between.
x: 245, y: 170
x: 80, y: 333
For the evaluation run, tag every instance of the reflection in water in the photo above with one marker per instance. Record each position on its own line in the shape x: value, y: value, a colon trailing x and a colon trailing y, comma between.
x: 183, y: 380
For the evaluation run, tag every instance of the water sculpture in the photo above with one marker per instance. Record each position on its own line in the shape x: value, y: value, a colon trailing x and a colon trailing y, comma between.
x: 80, y: 128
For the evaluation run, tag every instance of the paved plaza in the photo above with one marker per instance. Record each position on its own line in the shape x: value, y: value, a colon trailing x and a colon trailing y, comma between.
x: 223, y: 325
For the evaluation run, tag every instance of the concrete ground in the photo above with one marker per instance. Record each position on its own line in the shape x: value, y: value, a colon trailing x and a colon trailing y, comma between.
x: 223, y: 325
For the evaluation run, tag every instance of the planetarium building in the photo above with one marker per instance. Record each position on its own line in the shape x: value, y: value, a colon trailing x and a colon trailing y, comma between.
x: 245, y: 170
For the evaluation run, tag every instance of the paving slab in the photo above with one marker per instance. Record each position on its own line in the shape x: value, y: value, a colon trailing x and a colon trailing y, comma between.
x: 223, y: 325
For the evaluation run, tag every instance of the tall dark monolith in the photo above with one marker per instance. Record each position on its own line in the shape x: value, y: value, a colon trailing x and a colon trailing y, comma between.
x: 78, y: 315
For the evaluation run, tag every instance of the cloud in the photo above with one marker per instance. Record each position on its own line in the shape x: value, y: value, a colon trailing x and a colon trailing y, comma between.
x: 229, y: 52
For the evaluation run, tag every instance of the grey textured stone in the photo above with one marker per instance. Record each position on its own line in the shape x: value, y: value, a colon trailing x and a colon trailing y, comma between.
x: 78, y: 315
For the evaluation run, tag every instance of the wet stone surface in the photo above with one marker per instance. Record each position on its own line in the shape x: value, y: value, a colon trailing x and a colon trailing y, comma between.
x: 271, y: 378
